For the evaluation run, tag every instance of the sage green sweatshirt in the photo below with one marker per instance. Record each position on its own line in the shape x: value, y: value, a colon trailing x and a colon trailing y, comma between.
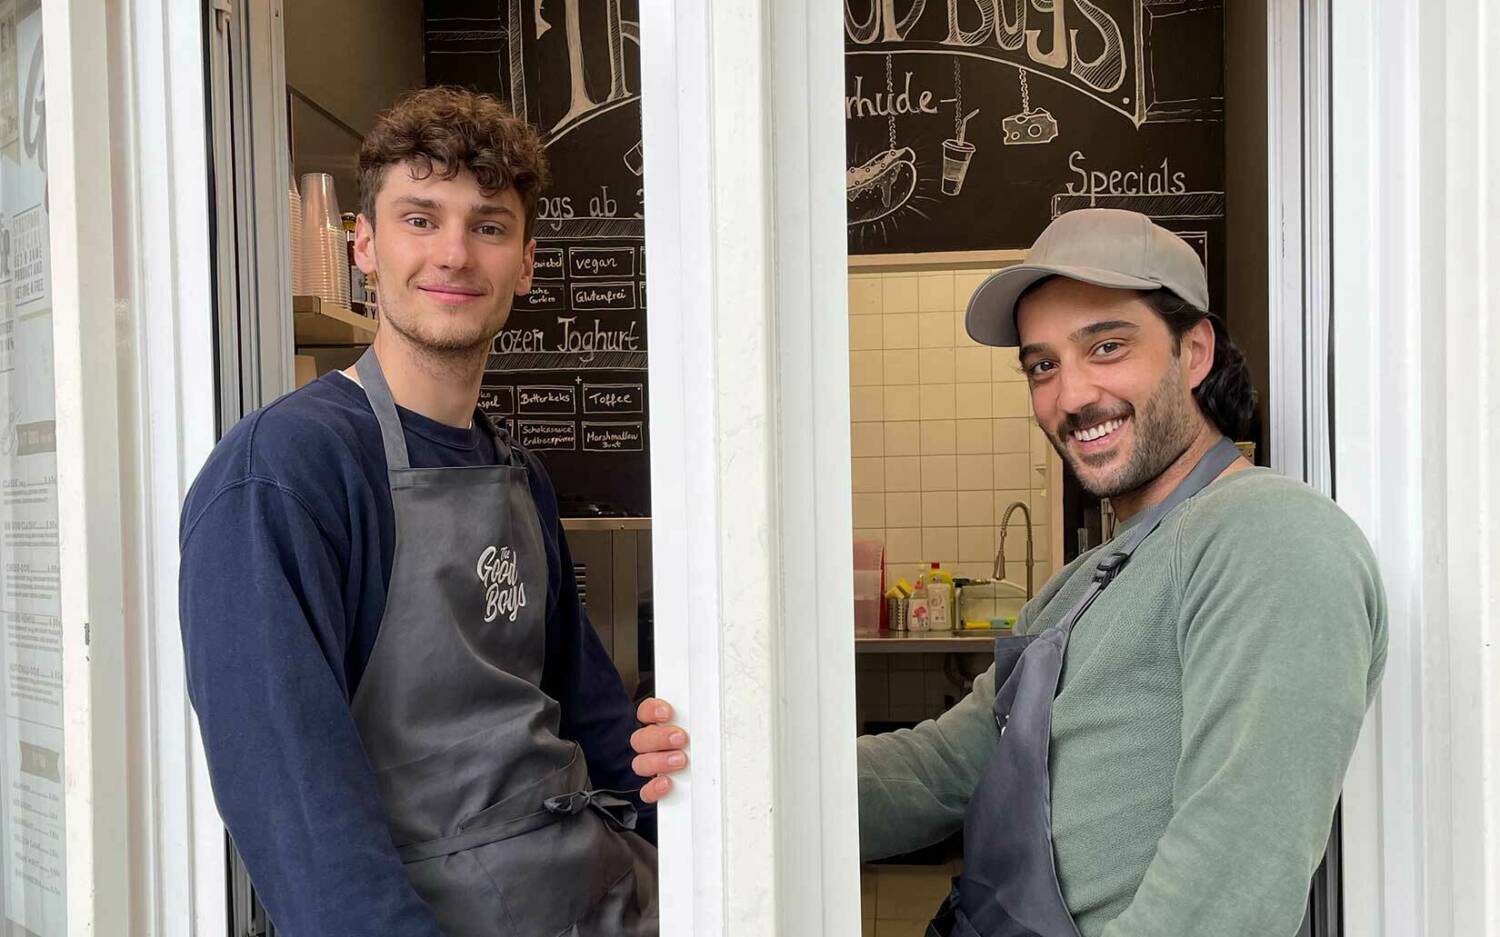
x: 1210, y: 702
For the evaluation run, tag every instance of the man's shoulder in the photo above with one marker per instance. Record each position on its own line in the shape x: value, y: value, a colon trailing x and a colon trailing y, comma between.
x: 1259, y: 516
x: 1266, y: 493
x: 303, y: 442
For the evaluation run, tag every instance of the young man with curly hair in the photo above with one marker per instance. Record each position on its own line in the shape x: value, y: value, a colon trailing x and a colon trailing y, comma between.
x: 411, y: 726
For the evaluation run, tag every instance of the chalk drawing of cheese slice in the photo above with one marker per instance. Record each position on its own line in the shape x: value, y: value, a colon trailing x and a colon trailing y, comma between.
x: 881, y: 185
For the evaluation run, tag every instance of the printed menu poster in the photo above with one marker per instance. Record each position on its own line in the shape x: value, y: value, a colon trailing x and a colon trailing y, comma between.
x: 31, y: 809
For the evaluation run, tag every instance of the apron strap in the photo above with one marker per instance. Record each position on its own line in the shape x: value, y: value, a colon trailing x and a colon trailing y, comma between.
x: 379, y: 393
x: 562, y: 793
x: 611, y: 806
x: 463, y: 842
x: 617, y: 813
x: 1214, y: 462
x: 505, y: 453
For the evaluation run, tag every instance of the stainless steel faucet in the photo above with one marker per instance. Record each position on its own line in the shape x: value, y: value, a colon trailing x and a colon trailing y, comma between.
x: 999, y: 573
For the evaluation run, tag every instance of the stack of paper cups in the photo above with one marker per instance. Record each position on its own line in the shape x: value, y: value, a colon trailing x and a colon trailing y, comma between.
x: 294, y: 213
x: 325, y: 265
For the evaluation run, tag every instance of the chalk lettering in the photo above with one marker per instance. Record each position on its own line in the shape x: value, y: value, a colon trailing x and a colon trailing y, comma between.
x: 548, y: 264
x: 1032, y: 33
x: 547, y: 434
x: 613, y: 437
x: 587, y: 342
x: 497, y: 400
x: 591, y: 297
x: 555, y: 206
x: 612, y: 398
x: 886, y: 104
x: 1157, y: 180
x: 548, y: 399
x: 542, y: 297
x: 520, y: 341
x: 604, y: 295
x: 601, y: 261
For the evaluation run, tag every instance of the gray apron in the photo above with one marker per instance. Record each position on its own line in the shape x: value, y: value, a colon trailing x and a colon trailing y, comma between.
x: 1009, y: 885
x: 490, y: 809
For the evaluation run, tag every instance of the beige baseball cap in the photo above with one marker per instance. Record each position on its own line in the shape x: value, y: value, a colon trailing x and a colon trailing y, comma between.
x: 1104, y: 246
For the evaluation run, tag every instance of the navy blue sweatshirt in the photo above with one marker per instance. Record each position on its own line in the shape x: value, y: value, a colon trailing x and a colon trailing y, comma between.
x: 287, y: 541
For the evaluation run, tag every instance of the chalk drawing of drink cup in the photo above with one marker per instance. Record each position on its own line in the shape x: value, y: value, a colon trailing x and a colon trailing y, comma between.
x: 633, y: 159
x: 956, y: 155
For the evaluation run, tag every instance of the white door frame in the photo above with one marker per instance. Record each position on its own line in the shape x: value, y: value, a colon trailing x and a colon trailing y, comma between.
x: 163, y: 327
x: 1416, y: 134
x: 90, y: 520
x: 745, y: 218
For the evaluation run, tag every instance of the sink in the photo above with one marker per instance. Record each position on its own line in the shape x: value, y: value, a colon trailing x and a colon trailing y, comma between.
x: 983, y: 601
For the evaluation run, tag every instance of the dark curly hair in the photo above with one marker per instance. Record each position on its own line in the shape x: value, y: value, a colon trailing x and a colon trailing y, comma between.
x: 1227, y: 394
x: 445, y: 130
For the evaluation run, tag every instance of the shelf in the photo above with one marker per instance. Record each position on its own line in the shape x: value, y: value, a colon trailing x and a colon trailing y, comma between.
x: 318, y: 322
x: 970, y: 641
x: 606, y: 523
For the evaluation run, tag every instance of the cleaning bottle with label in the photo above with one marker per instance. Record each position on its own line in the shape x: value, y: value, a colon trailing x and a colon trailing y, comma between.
x: 919, y: 607
x: 939, y: 599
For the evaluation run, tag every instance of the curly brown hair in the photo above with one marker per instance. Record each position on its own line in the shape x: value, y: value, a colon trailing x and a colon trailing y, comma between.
x: 445, y: 130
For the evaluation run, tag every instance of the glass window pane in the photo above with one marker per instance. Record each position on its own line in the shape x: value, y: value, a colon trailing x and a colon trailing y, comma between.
x: 32, y: 879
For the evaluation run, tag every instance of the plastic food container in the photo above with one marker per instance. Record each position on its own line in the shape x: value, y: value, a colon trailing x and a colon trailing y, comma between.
x: 869, y: 584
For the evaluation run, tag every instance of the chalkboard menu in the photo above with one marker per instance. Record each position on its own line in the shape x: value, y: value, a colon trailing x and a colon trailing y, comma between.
x: 567, y: 375
x: 973, y: 123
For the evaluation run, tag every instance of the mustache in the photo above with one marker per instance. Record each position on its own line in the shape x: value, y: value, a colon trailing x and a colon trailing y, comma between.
x: 1092, y: 415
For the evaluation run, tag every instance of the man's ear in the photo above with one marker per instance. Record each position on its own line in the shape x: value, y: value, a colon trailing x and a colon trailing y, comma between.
x: 1197, y: 352
x: 364, y: 244
x: 528, y: 267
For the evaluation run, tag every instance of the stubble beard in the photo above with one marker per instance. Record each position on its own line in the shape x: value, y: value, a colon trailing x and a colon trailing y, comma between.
x: 448, y: 352
x: 1163, y: 429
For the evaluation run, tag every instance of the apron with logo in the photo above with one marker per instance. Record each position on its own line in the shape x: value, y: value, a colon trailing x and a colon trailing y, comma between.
x: 491, y: 810
x: 1009, y: 885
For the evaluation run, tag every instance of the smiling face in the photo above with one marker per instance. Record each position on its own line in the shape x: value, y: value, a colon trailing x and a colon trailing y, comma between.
x: 1110, y: 386
x: 448, y: 259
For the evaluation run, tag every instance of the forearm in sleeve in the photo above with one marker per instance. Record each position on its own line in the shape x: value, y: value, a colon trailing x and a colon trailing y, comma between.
x: 914, y: 784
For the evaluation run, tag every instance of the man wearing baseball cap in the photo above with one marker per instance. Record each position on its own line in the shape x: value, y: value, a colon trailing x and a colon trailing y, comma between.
x: 1159, y: 750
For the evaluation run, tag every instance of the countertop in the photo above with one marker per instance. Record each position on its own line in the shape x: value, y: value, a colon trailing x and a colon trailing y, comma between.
x: 967, y: 641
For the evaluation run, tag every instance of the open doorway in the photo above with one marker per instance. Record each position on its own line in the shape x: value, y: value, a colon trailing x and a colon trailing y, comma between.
x: 566, y: 378
x: 962, y: 145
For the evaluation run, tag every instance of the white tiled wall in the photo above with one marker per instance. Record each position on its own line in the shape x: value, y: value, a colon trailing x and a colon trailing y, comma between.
x: 941, y: 433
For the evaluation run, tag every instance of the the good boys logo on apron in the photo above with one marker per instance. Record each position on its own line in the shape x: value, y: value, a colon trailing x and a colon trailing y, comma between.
x: 504, y: 593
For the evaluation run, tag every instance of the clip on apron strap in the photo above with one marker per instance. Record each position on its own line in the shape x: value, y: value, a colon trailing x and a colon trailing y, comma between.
x: 1213, y: 463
